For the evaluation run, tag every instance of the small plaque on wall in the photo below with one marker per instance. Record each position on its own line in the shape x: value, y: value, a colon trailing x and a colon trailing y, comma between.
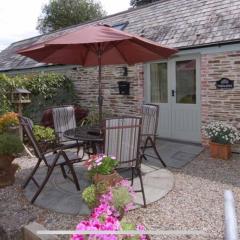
x: 224, y: 83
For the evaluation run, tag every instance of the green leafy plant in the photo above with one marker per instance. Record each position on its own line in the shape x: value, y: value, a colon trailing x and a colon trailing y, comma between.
x: 121, y: 198
x: 101, y: 164
x: 93, y: 116
x: 10, y: 144
x: 91, y: 194
x: 43, y: 133
x: 129, y: 226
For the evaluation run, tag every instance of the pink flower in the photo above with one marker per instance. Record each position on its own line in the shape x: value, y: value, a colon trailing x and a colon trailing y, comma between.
x: 89, y: 167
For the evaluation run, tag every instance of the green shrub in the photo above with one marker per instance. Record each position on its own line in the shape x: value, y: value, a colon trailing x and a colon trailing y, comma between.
x: 10, y: 144
x: 89, y: 195
x: 43, y: 133
x: 121, y: 198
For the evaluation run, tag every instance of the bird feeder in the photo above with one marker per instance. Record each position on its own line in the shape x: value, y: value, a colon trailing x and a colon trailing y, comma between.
x: 21, y: 96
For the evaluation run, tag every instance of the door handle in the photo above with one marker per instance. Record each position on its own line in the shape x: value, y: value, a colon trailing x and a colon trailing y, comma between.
x: 173, y: 93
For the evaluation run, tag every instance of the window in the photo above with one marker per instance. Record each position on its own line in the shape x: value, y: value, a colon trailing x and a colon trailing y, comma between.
x: 186, y: 82
x: 120, y: 26
x: 159, y: 82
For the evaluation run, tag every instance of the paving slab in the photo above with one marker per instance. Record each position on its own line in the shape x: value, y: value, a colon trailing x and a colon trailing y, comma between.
x: 174, y: 154
x: 60, y: 194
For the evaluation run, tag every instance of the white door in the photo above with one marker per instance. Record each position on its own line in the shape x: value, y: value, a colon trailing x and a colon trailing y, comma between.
x: 175, y: 86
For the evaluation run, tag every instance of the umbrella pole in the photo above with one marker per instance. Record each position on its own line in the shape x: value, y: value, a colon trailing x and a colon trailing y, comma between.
x: 100, y: 97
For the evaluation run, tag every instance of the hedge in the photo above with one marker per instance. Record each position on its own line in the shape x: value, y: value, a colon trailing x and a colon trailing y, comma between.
x: 47, y: 89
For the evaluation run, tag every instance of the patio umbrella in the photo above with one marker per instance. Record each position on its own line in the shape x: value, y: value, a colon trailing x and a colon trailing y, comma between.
x: 96, y: 46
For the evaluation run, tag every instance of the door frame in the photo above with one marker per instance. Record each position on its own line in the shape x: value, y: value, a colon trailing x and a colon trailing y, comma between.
x: 171, y: 63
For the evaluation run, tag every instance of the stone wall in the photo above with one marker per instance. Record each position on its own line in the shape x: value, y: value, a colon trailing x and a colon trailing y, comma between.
x: 86, y: 83
x: 220, y: 105
x: 216, y: 104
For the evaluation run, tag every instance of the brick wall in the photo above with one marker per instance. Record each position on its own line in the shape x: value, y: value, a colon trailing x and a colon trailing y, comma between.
x: 220, y: 105
x: 85, y: 81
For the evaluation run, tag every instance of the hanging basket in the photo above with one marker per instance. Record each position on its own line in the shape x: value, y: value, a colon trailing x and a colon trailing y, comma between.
x: 220, y: 151
x: 108, y: 180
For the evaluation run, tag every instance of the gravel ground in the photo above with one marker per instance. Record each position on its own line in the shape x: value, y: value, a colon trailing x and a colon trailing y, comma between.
x: 195, y: 203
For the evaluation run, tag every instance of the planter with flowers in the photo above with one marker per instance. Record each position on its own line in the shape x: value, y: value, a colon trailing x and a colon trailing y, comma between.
x: 221, y: 136
x: 102, y: 169
x: 9, y: 122
x: 10, y: 146
x: 109, y: 203
x: 108, y: 213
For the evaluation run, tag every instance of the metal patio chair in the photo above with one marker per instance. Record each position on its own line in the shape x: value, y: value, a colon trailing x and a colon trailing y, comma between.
x: 122, y: 140
x: 64, y: 119
x: 52, y: 159
x: 150, y: 115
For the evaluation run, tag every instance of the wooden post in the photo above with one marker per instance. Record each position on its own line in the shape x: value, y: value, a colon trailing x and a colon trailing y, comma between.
x: 20, y: 107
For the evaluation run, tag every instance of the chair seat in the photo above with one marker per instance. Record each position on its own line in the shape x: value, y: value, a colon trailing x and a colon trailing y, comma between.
x: 71, y: 156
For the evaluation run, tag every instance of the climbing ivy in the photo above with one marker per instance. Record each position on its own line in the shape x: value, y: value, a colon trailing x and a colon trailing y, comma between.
x: 47, y: 89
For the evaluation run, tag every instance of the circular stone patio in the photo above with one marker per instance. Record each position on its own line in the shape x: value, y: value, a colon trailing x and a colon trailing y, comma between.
x: 60, y: 194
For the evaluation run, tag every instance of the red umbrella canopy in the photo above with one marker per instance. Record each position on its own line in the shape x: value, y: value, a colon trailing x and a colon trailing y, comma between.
x: 85, y: 45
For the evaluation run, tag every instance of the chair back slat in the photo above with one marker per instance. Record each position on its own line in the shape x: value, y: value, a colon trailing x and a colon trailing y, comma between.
x: 122, y: 139
x: 63, y: 119
x: 150, y: 115
x: 27, y: 125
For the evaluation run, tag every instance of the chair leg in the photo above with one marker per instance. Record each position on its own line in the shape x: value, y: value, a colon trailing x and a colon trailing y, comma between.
x: 70, y: 165
x: 78, y: 147
x: 156, y: 152
x: 63, y: 171
x: 132, y: 177
x: 32, y: 174
x: 144, y: 148
x: 50, y: 170
x: 139, y: 172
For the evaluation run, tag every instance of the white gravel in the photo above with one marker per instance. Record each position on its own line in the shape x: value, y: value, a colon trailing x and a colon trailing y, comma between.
x: 195, y: 203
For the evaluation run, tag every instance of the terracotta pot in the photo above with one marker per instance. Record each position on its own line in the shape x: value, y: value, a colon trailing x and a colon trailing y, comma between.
x: 6, y: 161
x: 7, y: 176
x: 220, y: 151
x: 109, y: 180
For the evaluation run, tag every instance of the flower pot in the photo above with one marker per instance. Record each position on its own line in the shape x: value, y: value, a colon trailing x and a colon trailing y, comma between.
x: 13, y: 130
x: 6, y: 161
x: 220, y: 151
x: 7, y: 176
x: 109, y: 179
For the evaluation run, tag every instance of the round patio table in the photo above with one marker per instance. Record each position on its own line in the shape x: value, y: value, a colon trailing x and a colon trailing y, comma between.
x: 87, y: 134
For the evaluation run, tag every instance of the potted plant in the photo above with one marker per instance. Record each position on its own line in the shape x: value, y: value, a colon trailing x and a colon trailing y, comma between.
x: 221, y: 136
x: 9, y: 122
x: 102, y: 169
x: 45, y: 136
x: 10, y: 146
